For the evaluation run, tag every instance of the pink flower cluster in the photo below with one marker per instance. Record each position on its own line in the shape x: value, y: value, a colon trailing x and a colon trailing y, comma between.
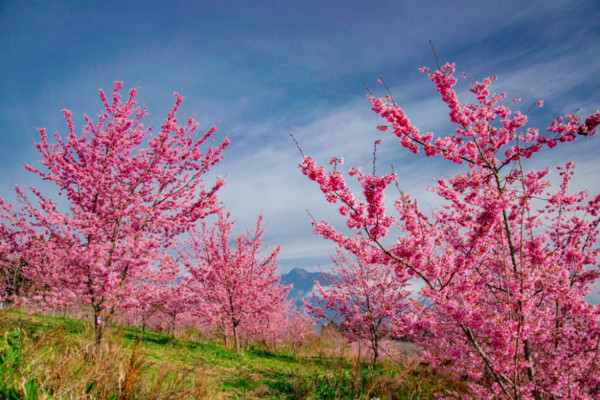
x: 370, y: 215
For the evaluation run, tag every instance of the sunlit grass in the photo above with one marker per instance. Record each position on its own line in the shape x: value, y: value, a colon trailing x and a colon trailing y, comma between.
x: 43, y: 357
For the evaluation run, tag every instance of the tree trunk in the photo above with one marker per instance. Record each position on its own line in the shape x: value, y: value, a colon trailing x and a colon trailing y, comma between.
x: 375, y: 344
x: 143, y: 328
x: 173, y: 326
x: 99, y: 324
x: 530, y: 371
x: 236, y: 339
x: 98, y: 327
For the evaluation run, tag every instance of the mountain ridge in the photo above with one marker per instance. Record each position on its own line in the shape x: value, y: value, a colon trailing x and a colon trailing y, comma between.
x: 303, y: 283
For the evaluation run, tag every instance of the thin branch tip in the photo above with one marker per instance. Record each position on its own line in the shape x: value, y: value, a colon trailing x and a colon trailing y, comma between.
x: 297, y: 145
x: 437, y: 59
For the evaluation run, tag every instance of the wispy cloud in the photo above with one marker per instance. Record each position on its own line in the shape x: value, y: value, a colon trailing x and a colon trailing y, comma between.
x: 266, y: 69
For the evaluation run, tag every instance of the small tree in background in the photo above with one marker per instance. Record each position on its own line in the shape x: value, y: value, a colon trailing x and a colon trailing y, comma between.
x: 129, y: 194
x: 14, y: 278
x: 162, y: 297
x: 298, y: 325
x: 233, y: 276
x: 178, y: 301
x: 362, y: 298
x: 508, y: 260
x: 285, y: 325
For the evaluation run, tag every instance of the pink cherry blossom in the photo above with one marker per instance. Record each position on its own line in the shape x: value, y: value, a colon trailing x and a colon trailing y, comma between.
x: 129, y: 194
x: 238, y: 284
x: 505, y: 264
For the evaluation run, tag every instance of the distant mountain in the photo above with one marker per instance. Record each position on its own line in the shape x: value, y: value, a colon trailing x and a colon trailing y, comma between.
x: 303, y: 283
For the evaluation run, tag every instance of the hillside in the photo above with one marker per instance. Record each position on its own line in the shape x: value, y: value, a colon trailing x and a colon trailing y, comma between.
x: 45, y: 357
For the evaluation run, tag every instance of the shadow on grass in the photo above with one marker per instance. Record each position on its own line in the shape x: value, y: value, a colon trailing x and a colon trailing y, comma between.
x: 261, y: 353
x: 159, y: 340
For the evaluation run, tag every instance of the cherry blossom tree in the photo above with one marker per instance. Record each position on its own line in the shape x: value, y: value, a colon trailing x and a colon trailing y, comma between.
x: 287, y: 324
x: 26, y: 263
x: 508, y: 260
x: 295, y: 327
x: 233, y: 276
x: 177, y: 302
x: 130, y: 193
x: 363, y: 299
x: 13, y: 280
x: 269, y: 327
x: 162, y: 297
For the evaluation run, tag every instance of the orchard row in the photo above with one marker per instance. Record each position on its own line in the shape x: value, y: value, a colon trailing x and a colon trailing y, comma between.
x: 505, y: 265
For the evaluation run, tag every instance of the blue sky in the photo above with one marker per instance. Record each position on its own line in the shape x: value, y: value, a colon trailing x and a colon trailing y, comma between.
x: 262, y: 69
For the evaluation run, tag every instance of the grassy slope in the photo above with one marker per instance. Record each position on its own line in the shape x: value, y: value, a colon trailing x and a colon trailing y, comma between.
x: 51, y: 357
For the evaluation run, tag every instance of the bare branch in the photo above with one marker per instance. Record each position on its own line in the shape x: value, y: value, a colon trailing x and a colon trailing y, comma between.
x: 437, y: 59
x: 297, y: 145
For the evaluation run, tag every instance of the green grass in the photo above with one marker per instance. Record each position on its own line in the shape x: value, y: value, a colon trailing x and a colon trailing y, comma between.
x: 45, y: 357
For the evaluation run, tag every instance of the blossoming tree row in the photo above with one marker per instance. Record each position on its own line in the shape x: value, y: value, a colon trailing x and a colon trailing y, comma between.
x: 131, y: 194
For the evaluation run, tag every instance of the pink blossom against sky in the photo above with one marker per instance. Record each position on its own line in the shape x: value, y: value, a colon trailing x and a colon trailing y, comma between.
x: 262, y: 69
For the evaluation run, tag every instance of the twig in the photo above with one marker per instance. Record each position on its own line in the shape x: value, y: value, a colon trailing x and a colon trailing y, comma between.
x: 297, y: 145
x: 388, y: 89
x: 375, y: 154
x: 368, y: 90
x: 400, y: 191
x: 531, y: 107
x: 137, y: 84
x: 474, y: 74
x: 500, y: 378
x: 120, y: 66
x: 437, y: 59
